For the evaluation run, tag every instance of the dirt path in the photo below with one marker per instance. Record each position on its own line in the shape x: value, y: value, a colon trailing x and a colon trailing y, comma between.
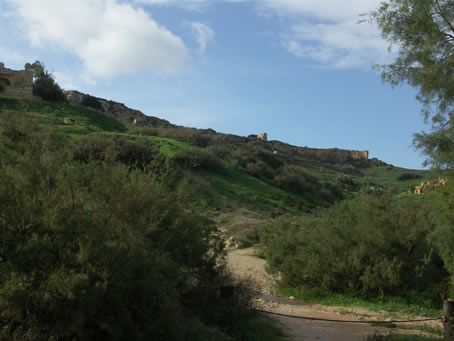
x: 247, y: 268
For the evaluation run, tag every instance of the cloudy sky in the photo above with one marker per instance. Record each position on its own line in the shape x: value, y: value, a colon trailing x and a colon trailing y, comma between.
x: 299, y: 70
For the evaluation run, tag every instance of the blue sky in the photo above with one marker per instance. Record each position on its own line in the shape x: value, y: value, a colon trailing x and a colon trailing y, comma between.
x: 299, y: 70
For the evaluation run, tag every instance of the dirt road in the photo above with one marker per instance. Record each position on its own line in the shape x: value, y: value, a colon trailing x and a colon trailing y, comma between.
x: 248, y: 268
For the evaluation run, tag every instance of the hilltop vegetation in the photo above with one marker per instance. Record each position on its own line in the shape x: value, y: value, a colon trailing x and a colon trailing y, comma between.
x: 228, y: 172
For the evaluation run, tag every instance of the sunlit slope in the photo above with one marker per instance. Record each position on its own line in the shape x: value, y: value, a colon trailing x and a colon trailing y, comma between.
x: 234, y: 187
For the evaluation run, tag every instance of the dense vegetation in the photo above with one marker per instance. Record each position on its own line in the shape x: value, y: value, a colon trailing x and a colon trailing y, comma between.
x: 44, y: 84
x: 368, y: 247
x: 95, y: 245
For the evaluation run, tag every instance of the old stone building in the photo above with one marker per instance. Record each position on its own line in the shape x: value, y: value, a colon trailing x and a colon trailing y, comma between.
x: 263, y: 136
x: 16, y: 83
x: 359, y: 154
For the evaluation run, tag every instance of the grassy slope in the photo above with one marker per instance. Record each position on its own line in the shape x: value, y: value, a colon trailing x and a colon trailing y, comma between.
x: 389, y: 176
x: 228, y: 191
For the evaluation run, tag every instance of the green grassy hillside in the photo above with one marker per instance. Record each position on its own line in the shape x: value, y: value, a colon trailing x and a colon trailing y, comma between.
x: 227, y: 174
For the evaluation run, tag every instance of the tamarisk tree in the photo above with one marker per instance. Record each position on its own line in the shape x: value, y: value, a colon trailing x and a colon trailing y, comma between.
x: 424, y: 32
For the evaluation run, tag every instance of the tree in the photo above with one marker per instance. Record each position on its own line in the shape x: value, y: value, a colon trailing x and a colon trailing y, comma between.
x: 44, y: 84
x: 37, y: 67
x: 424, y: 32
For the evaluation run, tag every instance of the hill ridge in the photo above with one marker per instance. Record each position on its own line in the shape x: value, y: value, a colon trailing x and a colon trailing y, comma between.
x: 118, y: 111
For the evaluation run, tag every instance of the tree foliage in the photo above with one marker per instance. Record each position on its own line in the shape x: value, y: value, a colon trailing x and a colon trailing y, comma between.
x: 44, y: 84
x: 370, y: 246
x: 424, y: 32
x: 92, y: 247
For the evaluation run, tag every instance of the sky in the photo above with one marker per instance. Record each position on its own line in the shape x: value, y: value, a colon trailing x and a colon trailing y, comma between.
x: 300, y: 70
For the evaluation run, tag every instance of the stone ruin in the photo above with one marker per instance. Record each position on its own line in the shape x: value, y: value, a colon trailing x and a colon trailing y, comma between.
x: 263, y: 136
x: 359, y: 154
x: 16, y: 83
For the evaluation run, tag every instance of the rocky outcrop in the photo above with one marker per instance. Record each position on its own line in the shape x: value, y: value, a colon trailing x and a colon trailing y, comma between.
x: 430, y: 185
x: 119, y: 111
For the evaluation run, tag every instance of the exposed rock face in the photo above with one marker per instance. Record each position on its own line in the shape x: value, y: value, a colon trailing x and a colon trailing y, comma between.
x: 119, y: 111
x: 428, y: 186
x: 70, y: 121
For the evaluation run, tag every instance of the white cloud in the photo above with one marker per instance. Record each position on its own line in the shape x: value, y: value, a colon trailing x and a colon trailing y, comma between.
x: 111, y: 38
x: 14, y: 59
x: 193, y: 5
x: 203, y: 34
x: 327, y: 31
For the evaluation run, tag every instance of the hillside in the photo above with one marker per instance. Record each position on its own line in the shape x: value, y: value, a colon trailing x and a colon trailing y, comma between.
x: 239, y: 181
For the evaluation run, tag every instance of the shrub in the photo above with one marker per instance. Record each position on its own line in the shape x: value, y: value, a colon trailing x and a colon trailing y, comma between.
x: 408, y: 176
x: 295, y: 179
x: 92, y: 249
x: 92, y: 102
x: 370, y: 246
x: 46, y: 87
x: 198, y: 159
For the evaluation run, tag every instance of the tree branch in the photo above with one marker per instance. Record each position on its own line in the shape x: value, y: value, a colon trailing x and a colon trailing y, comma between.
x: 443, y: 16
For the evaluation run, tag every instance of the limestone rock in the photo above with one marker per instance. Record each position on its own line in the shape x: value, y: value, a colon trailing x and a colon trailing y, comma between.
x: 70, y: 121
x: 119, y: 111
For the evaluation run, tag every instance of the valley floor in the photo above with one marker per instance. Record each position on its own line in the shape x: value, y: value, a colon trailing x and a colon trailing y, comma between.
x: 245, y: 267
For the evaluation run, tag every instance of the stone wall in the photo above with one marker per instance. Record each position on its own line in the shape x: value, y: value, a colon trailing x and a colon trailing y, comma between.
x: 18, y: 84
x: 23, y: 93
x: 359, y: 154
x: 263, y: 136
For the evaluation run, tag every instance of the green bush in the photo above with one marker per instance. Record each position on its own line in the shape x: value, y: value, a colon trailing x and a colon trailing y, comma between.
x: 92, y: 249
x: 140, y: 153
x: 408, y: 176
x: 295, y: 179
x: 46, y: 87
x: 371, y: 246
x: 443, y: 236
x: 92, y: 102
x: 198, y: 159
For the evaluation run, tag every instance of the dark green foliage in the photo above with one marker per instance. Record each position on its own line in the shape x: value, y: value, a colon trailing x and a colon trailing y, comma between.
x: 369, y: 246
x: 423, y: 30
x: 443, y: 237
x: 2, y: 88
x: 139, y: 153
x: 46, y: 87
x: 44, y: 84
x: 408, y: 176
x: 295, y: 179
x: 92, y: 102
x: 93, y: 248
x: 37, y: 67
x: 198, y: 159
